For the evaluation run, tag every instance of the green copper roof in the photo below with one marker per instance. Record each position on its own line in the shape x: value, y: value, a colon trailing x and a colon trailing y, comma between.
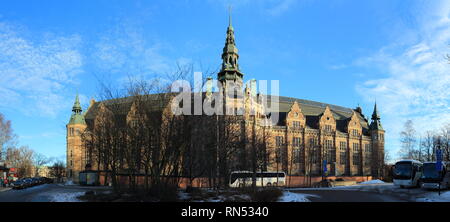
x: 76, y: 106
x: 77, y: 116
x: 230, y: 66
x: 376, y: 123
x: 77, y: 119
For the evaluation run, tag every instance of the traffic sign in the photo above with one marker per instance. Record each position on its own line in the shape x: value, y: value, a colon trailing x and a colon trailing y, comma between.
x: 324, y: 166
x: 438, y: 159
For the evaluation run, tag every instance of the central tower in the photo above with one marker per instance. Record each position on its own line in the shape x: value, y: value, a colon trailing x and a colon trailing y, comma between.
x: 230, y: 66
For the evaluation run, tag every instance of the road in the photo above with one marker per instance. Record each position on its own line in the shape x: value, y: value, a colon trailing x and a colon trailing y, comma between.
x: 349, y: 196
x: 369, y: 193
x: 46, y: 193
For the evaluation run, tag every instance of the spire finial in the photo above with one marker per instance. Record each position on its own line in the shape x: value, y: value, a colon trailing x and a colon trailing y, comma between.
x: 376, y: 124
x: 229, y: 15
x: 375, y: 115
x: 76, y: 106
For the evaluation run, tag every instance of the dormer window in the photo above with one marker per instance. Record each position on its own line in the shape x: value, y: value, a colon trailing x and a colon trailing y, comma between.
x: 355, y: 132
x: 296, y: 124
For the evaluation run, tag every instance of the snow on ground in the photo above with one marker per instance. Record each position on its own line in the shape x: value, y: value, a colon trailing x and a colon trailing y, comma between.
x: 183, y: 195
x: 69, y: 183
x: 372, y: 182
x: 65, y: 197
x: 295, y: 197
x: 361, y: 187
x: 235, y: 197
x: 435, y: 197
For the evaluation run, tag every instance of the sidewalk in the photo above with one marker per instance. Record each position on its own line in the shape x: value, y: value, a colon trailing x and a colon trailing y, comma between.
x: 5, y: 189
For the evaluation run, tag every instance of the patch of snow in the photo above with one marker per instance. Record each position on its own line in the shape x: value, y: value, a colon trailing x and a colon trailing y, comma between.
x: 372, y: 182
x: 66, y: 197
x: 69, y: 183
x: 183, y: 195
x: 295, y: 197
x: 239, y: 197
x: 435, y: 197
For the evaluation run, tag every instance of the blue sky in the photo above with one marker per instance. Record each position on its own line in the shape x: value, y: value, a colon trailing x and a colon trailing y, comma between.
x: 339, y: 52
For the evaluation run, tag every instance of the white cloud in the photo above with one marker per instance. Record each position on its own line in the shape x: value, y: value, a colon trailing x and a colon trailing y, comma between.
x: 267, y: 7
x: 280, y: 7
x: 34, y: 73
x: 126, y: 48
x: 416, y: 77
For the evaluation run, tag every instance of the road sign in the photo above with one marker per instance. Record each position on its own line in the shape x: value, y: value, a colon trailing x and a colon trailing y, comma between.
x: 438, y: 159
x: 324, y: 166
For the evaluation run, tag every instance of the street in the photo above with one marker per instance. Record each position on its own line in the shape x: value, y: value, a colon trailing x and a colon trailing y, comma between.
x: 47, y: 193
x: 348, y: 196
x: 386, y: 192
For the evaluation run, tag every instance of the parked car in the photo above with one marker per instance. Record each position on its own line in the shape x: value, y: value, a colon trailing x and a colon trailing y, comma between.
x: 41, y: 180
x: 35, y: 181
x: 47, y: 180
x: 28, y: 182
x: 18, y: 184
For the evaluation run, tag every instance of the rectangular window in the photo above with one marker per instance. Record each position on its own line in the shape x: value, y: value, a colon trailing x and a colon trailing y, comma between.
x: 328, y: 128
x: 367, y: 159
x: 296, y: 141
x: 301, y: 155
x: 315, y: 158
x: 279, y: 141
x: 343, y: 146
x: 296, y: 155
x: 367, y: 148
x: 356, y: 159
x: 330, y: 151
x: 280, y: 155
x: 356, y: 147
x: 343, y: 156
x: 296, y: 124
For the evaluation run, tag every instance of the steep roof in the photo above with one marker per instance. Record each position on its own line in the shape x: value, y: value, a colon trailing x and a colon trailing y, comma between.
x: 311, y: 109
x: 121, y: 106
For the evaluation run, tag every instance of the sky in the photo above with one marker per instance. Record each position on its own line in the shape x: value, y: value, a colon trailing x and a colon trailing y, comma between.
x: 343, y: 52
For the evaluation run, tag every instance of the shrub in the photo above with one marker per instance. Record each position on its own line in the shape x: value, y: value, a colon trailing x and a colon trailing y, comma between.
x: 164, y: 192
x: 266, y: 195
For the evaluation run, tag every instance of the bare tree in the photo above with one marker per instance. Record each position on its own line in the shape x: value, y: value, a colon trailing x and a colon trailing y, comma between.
x: 445, y: 141
x: 408, y: 140
x: 427, y: 146
x: 39, y: 160
x: 57, y: 170
x: 7, y: 137
x: 22, y: 159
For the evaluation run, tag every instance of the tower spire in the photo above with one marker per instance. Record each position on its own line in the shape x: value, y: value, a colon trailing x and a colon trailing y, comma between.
x: 230, y: 66
x: 229, y: 16
x: 376, y: 123
x: 76, y: 106
x: 375, y: 115
x: 77, y: 117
